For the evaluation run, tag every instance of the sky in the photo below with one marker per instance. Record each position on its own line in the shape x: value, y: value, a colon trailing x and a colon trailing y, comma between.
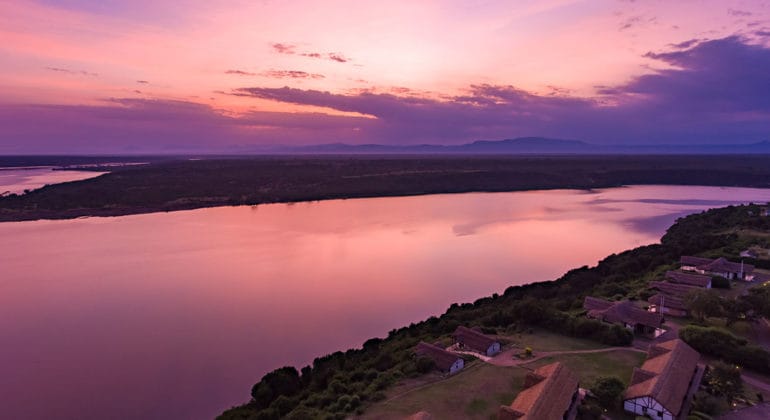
x: 157, y: 76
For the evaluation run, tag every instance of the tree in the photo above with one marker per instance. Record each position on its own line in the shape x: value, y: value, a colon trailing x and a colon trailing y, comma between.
x: 704, y: 303
x: 739, y: 309
x: 608, y: 390
x: 724, y: 380
x: 758, y: 299
x: 282, y: 381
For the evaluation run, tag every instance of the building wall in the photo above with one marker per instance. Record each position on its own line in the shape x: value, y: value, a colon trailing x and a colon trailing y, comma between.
x: 459, y: 364
x: 493, y: 349
x: 674, y: 312
x: 647, y: 406
x: 729, y: 276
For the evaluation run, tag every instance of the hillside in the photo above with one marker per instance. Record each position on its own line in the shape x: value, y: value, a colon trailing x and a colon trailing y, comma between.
x: 358, y: 380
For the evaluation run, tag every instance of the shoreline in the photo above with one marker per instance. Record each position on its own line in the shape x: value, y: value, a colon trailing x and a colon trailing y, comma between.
x: 187, y: 185
x: 379, y: 364
x: 82, y: 213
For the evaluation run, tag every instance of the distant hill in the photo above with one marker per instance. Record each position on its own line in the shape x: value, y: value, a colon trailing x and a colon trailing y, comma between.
x: 525, y: 146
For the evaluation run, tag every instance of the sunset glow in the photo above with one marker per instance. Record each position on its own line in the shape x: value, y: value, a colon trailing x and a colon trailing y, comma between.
x: 133, y: 76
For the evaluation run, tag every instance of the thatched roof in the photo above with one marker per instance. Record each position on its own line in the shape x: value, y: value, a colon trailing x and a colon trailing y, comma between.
x: 420, y: 415
x: 621, y: 312
x: 591, y: 303
x: 473, y: 339
x: 719, y: 265
x: 673, y: 289
x: 694, y: 261
x: 668, y: 301
x: 665, y: 375
x: 697, y: 280
x: 548, y: 394
x: 443, y: 359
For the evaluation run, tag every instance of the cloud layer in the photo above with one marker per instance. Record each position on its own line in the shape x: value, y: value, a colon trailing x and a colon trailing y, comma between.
x: 713, y: 91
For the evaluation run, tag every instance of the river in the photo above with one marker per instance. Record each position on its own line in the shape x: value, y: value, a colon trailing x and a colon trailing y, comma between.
x: 176, y: 315
x: 18, y: 180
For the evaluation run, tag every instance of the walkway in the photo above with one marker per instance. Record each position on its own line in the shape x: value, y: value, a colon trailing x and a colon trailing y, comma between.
x: 757, y: 412
x: 756, y: 381
x: 508, y: 357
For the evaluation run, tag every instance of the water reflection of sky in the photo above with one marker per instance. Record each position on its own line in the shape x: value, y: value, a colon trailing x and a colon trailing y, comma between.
x: 176, y: 315
x: 15, y: 181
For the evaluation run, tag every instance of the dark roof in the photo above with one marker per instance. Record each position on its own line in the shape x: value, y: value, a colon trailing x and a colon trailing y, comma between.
x: 665, y: 375
x: 473, y: 338
x: 443, y: 359
x: 667, y: 301
x: 716, y: 265
x: 621, y: 312
x: 694, y: 261
x: 591, y: 303
x: 673, y: 289
x: 721, y: 265
x: 547, y: 396
x: 420, y: 415
x: 681, y: 277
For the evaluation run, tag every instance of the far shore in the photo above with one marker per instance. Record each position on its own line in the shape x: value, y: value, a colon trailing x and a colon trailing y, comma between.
x: 187, y: 185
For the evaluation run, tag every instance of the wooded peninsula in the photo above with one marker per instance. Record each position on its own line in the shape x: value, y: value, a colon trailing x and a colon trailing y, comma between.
x: 183, y: 184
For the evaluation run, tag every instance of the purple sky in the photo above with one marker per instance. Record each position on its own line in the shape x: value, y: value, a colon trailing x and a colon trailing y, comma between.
x: 154, y: 76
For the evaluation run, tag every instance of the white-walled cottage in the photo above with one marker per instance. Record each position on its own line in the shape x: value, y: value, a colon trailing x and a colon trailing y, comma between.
x: 663, y: 387
x: 467, y: 338
x: 445, y: 361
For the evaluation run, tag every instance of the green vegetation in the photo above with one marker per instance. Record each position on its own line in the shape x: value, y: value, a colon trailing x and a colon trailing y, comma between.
x: 704, y: 303
x: 589, y: 367
x: 746, y: 306
x: 724, y: 380
x: 726, y: 346
x: 608, y: 390
x: 347, y: 383
x: 476, y: 392
x: 185, y: 184
x: 540, y: 340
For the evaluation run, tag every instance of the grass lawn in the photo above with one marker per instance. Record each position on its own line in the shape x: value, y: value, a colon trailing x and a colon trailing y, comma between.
x: 590, y: 366
x: 737, y: 288
x: 475, y: 393
x: 541, y: 340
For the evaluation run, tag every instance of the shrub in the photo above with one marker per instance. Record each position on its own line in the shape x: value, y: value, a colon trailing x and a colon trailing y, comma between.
x: 282, y: 381
x: 723, y: 345
x: 608, y: 390
x: 724, y: 380
x: 589, y: 411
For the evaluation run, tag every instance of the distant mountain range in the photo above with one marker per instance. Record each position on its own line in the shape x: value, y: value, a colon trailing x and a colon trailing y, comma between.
x: 524, y: 146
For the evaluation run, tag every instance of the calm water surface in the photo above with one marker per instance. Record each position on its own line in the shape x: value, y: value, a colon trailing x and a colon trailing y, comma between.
x: 176, y: 315
x: 15, y: 180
